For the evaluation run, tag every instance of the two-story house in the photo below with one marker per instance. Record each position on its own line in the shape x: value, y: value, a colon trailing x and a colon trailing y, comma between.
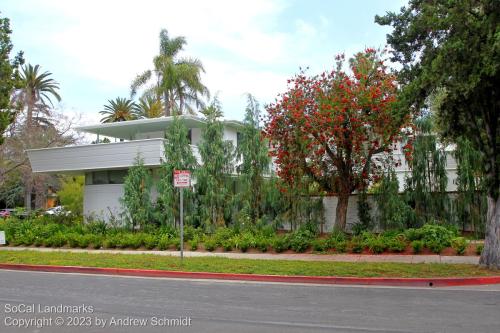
x: 105, y: 165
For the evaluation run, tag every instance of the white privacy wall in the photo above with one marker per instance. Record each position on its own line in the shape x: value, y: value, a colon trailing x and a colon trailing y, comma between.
x: 102, y: 201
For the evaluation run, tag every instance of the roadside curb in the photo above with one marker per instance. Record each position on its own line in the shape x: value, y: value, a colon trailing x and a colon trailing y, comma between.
x: 415, y: 282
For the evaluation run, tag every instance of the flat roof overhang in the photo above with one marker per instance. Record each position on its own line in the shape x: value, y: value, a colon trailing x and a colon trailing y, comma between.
x: 128, y: 129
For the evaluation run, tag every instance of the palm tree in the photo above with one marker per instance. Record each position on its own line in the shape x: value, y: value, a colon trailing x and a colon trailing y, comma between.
x: 178, y: 81
x: 119, y: 109
x: 148, y: 107
x: 36, y: 93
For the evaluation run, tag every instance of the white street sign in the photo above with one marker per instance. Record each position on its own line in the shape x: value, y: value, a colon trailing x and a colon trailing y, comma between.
x: 2, y: 237
x: 182, y: 178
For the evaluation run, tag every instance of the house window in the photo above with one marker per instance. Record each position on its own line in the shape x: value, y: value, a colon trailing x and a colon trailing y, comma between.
x: 117, y: 176
x: 190, y: 136
x: 99, y: 177
x: 105, y: 177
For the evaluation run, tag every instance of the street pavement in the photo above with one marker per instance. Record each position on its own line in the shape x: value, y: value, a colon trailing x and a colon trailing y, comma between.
x: 130, y: 304
x: 406, y: 258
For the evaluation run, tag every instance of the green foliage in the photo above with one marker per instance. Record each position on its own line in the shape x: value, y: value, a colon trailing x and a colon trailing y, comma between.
x: 397, y: 243
x: 177, y: 81
x: 178, y: 155
x: 193, y: 244
x: 210, y: 244
x: 319, y: 245
x: 281, y: 243
x: 459, y: 244
x: 470, y: 204
x: 136, y: 197
x: 8, y: 76
x: 426, y: 185
x: 357, y: 244
x: 393, y: 212
x: 150, y: 241
x: 453, y: 48
x: 217, y: 157
x: 417, y: 246
x: 119, y: 109
x: 479, y: 249
x: 163, y: 243
x: 364, y: 214
x: 376, y: 244
x: 71, y: 194
x: 253, y: 152
x: 301, y: 240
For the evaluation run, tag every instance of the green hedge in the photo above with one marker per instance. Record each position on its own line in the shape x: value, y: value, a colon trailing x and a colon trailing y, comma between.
x: 42, y: 231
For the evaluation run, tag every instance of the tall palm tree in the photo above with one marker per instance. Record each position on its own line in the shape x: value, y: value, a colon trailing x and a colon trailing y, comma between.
x: 178, y: 81
x: 119, y: 109
x: 36, y: 93
x: 148, y: 107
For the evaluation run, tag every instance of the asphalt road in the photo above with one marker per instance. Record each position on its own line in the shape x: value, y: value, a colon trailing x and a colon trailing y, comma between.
x: 215, y: 306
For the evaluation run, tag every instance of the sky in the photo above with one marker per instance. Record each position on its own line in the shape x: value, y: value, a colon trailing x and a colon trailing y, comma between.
x: 94, y: 49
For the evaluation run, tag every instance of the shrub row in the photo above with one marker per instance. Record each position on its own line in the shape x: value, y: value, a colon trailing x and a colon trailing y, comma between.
x: 41, y: 232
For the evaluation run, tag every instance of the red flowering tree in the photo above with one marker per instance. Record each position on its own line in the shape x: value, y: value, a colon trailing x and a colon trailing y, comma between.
x: 338, y: 128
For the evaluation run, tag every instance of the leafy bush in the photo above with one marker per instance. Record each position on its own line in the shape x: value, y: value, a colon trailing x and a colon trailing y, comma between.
x: 357, y: 244
x: 337, y: 241
x: 459, y: 244
x: 163, y: 243
x: 73, y: 239
x: 262, y: 243
x: 413, y: 234
x: 150, y: 241
x: 95, y: 241
x: 417, y: 246
x: 241, y: 243
x: 433, y: 234
x: 227, y: 244
x: 435, y: 246
x: 301, y: 240
x: 56, y: 240
x: 397, y: 243
x: 210, y: 244
x: 111, y: 241
x: 319, y: 245
x: 280, y: 243
x: 376, y: 244
x: 193, y: 244
x: 175, y: 243
x: 96, y: 227
x: 222, y: 235
x: 479, y: 249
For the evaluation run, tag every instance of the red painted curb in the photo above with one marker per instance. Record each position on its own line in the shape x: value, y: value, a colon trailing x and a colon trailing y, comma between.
x: 415, y: 282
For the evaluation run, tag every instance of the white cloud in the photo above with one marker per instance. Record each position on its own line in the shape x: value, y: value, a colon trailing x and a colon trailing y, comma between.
x: 109, y: 42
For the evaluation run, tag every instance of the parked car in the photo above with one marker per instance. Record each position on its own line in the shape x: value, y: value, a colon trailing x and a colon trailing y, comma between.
x: 57, y: 210
x: 4, y: 213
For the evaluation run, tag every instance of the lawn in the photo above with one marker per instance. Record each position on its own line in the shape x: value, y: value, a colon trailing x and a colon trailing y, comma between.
x: 249, y: 266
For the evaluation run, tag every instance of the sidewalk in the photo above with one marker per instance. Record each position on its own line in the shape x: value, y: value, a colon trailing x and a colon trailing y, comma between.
x: 269, y: 256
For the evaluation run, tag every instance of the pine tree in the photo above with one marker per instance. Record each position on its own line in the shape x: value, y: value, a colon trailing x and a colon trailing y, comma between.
x: 217, y: 159
x: 252, y: 152
x: 136, y: 197
x: 178, y: 155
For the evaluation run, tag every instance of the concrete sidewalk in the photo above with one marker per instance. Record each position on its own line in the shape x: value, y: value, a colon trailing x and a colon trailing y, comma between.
x: 269, y: 256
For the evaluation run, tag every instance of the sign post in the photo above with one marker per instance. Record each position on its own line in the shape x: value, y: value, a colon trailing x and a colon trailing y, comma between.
x: 182, y: 179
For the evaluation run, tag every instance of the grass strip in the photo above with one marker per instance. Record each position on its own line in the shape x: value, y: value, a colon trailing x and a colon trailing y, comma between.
x: 248, y: 266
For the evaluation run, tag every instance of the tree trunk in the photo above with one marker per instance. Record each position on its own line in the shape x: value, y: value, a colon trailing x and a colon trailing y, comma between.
x: 491, y: 252
x: 341, y: 211
x: 167, y: 104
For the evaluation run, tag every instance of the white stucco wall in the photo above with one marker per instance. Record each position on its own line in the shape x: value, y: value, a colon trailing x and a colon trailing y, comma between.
x: 102, y: 201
